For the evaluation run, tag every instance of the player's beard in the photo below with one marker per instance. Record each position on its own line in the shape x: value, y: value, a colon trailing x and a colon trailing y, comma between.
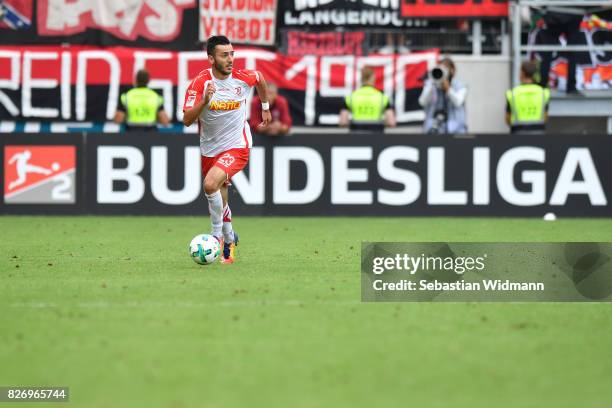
x: 223, y: 69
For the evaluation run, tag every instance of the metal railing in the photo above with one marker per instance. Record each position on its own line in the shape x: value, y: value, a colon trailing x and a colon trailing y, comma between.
x: 479, y: 38
x: 518, y: 48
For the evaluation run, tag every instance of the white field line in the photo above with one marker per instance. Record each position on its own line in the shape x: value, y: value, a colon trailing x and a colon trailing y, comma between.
x: 182, y: 305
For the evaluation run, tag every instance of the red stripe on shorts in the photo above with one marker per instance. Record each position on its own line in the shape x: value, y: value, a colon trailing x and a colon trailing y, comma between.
x: 246, y: 141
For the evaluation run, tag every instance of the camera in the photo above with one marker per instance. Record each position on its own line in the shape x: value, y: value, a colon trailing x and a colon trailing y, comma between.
x: 438, y: 125
x: 438, y: 74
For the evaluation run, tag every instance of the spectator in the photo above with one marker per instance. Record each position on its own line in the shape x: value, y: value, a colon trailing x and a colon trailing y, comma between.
x: 141, y: 107
x: 527, y: 104
x: 367, y: 108
x: 390, y: 43
x: 559, y: 22
x: 443, y: 99
x: 279, y: 107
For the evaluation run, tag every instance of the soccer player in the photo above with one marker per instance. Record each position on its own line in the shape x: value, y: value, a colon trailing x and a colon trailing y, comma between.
x: 216, y: 99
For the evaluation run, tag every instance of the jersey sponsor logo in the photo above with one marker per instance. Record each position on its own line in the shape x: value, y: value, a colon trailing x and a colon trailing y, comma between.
x: 224, y: 105
x: 226, y: 160
x: 39, y: 174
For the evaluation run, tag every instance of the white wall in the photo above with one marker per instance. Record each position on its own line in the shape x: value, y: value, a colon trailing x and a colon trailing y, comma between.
x: 487, y: 79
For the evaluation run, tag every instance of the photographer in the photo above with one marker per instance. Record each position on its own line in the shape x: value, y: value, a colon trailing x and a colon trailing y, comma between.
x: 443, y: 99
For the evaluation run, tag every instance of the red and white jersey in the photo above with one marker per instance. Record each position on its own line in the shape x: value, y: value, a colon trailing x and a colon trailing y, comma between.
x: 223, y: 123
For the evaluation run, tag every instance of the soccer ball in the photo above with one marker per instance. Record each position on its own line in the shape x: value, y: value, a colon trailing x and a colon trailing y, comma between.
x: 204, y: 249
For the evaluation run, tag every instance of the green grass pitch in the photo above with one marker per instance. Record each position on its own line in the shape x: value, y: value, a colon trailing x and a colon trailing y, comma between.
x: 114, y: 308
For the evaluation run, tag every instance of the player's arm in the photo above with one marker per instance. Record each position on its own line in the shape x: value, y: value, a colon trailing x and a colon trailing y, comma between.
x: 255, y: 114
x: 192, y: 113
x: 262, y: 91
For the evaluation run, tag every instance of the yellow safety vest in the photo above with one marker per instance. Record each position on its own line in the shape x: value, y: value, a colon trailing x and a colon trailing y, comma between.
x: 367, y: 104
x: 528, y: 104
x: 142, y: 105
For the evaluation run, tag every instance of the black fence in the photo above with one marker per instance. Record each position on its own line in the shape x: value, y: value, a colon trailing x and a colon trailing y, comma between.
x: 359, y: 174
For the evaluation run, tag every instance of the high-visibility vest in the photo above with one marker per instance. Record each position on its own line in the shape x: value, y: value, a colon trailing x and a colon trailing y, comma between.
x: 142, y: 105
x: 528, y: 104
x: 367, y: 104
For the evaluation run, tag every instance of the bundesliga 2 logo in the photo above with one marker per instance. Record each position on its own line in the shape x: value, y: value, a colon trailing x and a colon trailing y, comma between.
x: 39, y: 174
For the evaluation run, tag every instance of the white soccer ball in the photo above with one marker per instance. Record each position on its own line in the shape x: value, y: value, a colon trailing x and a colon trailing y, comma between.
x: 204, y: 249
x: 550, y: 217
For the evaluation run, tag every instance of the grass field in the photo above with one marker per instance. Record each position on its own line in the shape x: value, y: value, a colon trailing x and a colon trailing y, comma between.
x: 114, y: 308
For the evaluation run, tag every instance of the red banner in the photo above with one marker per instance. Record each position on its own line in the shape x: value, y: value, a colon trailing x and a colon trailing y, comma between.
x: 153, y: 20
x: 84, y: 83
x: 454, y: 9
x: 300, y: 43
x: 243, y: 22
x: 15, y: 14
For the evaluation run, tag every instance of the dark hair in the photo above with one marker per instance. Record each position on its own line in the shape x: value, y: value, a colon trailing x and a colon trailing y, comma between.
x: 214, y: 41
x: 529, y: 68
x: 142, y: 78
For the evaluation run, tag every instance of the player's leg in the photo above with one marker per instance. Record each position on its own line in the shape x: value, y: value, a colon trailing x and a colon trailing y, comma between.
x: 213, y: 182
x: 232, y: 162
x: 230, y: 237
x: 228, y: 231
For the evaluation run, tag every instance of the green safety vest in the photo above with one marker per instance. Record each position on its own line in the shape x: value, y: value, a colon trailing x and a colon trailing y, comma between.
x: 142, y: 105
x: 528, y: 104
x: 367, y: 104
